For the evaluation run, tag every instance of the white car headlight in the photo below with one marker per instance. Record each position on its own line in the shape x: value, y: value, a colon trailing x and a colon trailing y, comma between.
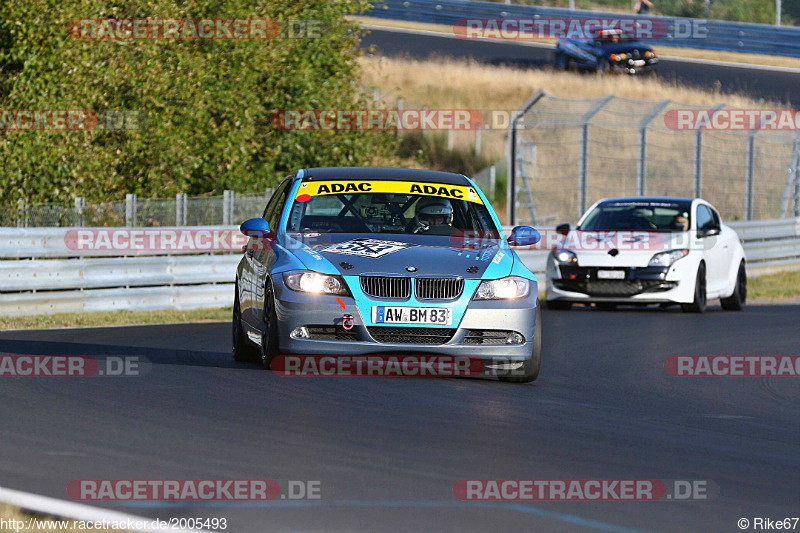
x: 665, y: 259
x: 314, y: 282
x: 503, y: 289
x: 565, y: 257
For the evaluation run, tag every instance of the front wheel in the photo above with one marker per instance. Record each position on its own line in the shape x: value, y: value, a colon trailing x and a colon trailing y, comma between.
x: 561, y: 61
x: 699, y: 303
x: 269, y: 335
x: 242, y: 352
x: 530, y: 368
x: 735, y: 302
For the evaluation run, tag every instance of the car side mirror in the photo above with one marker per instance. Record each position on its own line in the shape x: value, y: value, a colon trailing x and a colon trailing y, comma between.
x: 562, y: 229
x: 709, y: 231
x: 523, y: 236
x: 257, y: 228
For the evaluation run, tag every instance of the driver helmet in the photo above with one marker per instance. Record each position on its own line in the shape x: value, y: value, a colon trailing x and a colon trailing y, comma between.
x: 433, y: 212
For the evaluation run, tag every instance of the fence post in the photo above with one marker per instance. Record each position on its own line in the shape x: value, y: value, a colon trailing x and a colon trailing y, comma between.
x: 698, y: 155
x: 450, y: 139
x: 80, y: 205
x: 22, y: 213
x: 130, y: 210
x: 796, y: 170
x: 511, y: 154
x: 584, y: 159
x: 478, y: 141
x: 181, y: 204
x: 749, y: 171
x: 492, y: 181
x: 400, y: 115
x: 641, y: 173
x: 227, y: 208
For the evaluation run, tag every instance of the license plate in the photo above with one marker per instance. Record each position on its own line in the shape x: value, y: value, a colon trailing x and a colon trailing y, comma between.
x: 638, y: 62
x: 610, y: 274
x: 441, y: 316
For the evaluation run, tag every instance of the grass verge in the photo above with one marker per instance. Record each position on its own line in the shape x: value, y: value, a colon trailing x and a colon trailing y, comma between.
x: 780, y: 285
x: 686, y: 53
x: 114, y: 318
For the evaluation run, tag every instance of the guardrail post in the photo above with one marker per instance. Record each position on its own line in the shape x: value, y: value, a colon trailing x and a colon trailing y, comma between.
x: 80, y: 205
x: 130, y: 210
x: 749, y: 172
x: 641, y: 169
x: 583, y: 168
x: 227, y: 208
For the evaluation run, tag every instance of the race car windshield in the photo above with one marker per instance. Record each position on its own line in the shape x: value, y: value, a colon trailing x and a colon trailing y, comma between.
x: 391, y: 213
x: 652, y: 216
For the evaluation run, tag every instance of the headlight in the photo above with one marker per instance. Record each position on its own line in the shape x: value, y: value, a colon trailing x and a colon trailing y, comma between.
x: 314, y: 282
x: 565, y: 257
x: 665, y: 259
x: 503, y: 289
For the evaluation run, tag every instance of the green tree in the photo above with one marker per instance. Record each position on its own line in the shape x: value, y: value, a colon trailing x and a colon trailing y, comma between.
x: 208, y: 102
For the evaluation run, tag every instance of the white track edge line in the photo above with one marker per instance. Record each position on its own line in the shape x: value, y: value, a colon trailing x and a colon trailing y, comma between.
x: 74, y: 511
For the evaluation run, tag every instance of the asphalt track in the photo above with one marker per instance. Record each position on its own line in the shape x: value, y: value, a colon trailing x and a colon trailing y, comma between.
x: 768, y: 83
x: 388, y: 451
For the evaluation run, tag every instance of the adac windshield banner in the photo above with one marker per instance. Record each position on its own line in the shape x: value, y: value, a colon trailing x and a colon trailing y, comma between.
x: 453, y: 192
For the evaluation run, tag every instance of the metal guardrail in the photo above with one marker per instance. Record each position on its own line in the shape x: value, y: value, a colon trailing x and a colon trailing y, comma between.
x: 719, y: 35
x: 43, y: 275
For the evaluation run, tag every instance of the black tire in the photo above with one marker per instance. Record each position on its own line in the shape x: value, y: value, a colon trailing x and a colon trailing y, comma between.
x: 558, y: 305
x: 699, y: 303
x: 242, y: 351
x: 530, y: 368
x: 606, y: 306
x: 736, y: 301
x: 603, y: 65
x: 269, y: 336
x: 561, y: 60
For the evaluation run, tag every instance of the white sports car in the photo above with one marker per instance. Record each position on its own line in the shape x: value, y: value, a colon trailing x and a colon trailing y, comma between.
x: 648, y: 250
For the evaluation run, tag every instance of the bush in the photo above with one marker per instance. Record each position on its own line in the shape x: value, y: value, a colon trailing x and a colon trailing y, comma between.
x: 208, y: 103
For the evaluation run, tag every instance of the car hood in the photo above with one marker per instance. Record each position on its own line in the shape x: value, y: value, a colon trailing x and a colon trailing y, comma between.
x: 416, y: 255
x: 633, y: 248
x: 625, y: 47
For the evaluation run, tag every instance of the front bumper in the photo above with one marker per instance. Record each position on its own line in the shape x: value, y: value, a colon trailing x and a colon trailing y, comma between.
x: 640, y: 284
x: 629, y: 66
x: 322, y: 315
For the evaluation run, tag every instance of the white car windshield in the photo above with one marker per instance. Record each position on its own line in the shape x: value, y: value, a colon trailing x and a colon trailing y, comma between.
x: 661, y: 216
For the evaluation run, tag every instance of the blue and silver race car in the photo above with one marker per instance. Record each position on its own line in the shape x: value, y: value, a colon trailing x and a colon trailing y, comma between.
x: 363, y: 261
x: 609, y: 51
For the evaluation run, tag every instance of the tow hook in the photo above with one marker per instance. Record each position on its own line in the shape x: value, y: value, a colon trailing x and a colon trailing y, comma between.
x: 348, y: 322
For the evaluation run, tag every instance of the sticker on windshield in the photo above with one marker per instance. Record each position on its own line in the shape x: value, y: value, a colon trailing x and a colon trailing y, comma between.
x: 367, y: 247
x: 308, y: 190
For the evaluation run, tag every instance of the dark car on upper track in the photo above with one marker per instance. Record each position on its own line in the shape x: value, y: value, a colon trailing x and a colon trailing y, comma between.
x: 609, y: 51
